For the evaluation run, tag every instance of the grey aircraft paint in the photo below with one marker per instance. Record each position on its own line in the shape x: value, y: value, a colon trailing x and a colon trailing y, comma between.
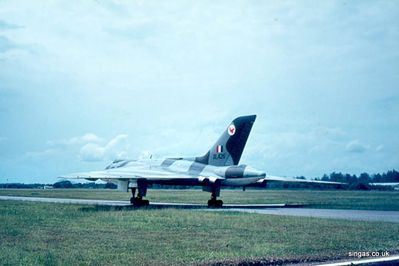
x: 217, y: 168
x: 228, y: 148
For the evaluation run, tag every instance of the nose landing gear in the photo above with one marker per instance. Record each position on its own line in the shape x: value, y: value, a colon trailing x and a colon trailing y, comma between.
x: 138, y: 201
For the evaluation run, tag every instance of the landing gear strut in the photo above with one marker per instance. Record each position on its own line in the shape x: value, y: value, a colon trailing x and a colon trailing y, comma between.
x: 139, y: 201
x: 214, y: 202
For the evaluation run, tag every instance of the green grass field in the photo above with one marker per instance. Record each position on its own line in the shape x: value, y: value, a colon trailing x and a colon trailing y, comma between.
x: 56, y: 234
x: 338, y: 199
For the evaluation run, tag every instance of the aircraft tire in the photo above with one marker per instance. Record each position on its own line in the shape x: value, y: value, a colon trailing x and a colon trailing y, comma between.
x: 139, y: 202
x: 215, y: 203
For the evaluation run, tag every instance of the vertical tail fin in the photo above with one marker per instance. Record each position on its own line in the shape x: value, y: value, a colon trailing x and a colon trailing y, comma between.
x: 229, y: 147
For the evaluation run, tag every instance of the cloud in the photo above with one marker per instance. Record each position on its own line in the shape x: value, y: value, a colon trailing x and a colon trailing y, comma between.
x: 379, y: 148
x: 90, y: 137
x: 41, y: 154
x: 92, y: 152
x: 329, y: 133
x: 7, y: 26
x: 310, y: 140
x: 306, y: 72
x: 89, y: 147
x: 85, y: 139
x: 114, y: 149
x: 6, y: 44
x: 356, y: 147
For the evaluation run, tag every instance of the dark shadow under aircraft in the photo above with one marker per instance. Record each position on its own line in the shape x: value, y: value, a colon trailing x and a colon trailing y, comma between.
x: 219, y: 167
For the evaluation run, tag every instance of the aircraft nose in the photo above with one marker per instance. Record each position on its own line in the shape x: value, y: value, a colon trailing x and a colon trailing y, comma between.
x: 249, y: 171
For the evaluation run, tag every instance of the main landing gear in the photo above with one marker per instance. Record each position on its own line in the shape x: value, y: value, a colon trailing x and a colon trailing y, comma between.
x: 138, y: 201
x: 214, y: 202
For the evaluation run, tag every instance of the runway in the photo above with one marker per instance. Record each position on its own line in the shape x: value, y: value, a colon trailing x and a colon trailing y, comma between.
x: 270, y: 209
x: 68, y: 201
x: 120, y: 203
x: 355, y: 215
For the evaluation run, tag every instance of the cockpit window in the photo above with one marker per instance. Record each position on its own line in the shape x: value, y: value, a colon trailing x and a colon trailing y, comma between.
x: 118, y: 163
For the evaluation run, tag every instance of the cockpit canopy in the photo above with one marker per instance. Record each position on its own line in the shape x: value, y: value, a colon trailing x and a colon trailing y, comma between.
x: 117, y: 163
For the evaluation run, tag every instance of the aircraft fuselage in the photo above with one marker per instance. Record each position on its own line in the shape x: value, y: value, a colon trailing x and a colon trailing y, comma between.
x: 235, y: 175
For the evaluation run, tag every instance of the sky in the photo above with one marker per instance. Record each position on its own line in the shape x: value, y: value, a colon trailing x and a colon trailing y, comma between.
x: 85, y: 82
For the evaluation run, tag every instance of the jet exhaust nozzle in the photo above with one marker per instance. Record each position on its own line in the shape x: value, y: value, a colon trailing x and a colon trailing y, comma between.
x: 249, y: 171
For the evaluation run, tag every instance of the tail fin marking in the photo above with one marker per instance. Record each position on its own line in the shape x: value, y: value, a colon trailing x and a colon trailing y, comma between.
x: 229, y: 147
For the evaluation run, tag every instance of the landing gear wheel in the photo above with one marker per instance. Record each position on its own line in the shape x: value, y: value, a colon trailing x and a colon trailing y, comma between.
x: 213, y: 203
x: 137, y: 202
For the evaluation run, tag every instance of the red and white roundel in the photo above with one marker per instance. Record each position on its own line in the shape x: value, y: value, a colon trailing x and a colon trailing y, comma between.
x: 231, y: 130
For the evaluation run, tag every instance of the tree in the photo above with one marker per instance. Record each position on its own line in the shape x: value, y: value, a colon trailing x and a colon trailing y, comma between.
x: 110, y: 185
x: 377, y: 178
x: 336, y: 177
x: 392, y: 176
x: 63, y: 184
x: 364, y: 178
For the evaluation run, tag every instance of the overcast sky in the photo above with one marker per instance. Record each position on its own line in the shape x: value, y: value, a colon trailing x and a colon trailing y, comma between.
x: 85, y: 82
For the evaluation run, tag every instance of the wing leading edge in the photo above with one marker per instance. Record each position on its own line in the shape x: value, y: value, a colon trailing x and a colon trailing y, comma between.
x: 270, y: 178
x: 152, y: 176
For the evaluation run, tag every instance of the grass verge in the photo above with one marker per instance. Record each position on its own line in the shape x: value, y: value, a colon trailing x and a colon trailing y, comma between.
x: 54, y: 234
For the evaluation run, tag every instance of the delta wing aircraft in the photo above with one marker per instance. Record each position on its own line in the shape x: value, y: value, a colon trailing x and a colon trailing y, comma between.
x: 219, y: 167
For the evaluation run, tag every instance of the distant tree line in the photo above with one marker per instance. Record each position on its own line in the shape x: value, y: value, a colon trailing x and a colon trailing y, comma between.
x: 388, y: 177
x: 361, y: 182
x: 69, y: 184
x: 22, y: 185
x: 60, y: 184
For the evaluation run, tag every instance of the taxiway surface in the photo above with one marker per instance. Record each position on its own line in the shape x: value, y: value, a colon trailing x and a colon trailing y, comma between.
x: 356, y: 215
x: 271, y: 209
